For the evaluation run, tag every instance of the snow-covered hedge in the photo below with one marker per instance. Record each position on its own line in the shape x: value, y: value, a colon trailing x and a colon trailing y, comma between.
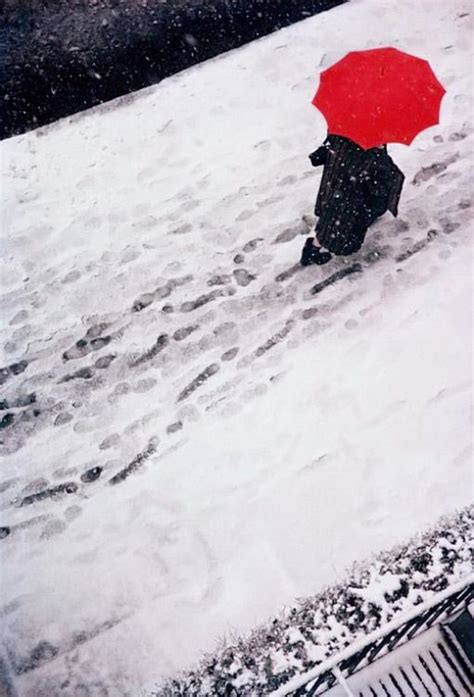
x: 318, y: 627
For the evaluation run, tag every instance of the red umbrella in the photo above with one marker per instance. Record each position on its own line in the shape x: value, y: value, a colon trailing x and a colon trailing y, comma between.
x: 378, y: 96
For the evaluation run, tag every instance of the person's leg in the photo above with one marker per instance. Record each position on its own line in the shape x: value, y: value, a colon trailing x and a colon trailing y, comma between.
x: 313, y: 253
x: 318, y: 245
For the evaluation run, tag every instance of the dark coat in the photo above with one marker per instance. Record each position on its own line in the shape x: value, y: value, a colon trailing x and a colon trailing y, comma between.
x: 357, y: 187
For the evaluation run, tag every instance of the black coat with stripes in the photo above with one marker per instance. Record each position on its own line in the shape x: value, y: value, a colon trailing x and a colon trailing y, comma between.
x: 357, y: 187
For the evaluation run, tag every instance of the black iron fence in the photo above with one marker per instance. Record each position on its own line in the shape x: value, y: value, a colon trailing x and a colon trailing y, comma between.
x: 438, y: 610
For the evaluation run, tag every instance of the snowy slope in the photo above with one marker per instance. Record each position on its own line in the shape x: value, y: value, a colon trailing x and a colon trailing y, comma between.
x: 197, y: 438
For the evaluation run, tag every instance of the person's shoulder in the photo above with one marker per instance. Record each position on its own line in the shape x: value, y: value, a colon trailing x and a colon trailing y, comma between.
x: 334, y: 140
x: 394, y: 167
x: 391, y: 169
x: 383, y: 157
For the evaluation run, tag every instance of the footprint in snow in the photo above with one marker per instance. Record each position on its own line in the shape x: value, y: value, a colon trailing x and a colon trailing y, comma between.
x: 243, y: 277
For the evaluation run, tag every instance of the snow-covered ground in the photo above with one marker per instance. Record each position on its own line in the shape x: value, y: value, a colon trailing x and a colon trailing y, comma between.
x: 275, y: 657
x: 195, y: 438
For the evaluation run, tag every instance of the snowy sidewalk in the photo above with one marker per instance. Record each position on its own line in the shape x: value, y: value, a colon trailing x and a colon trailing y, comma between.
x: 200, y: 430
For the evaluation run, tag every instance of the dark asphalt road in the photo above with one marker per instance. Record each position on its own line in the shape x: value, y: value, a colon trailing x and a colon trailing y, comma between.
x: 58, y: 58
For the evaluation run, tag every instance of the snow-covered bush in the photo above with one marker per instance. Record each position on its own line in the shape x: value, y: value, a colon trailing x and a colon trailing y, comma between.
x: 320, y: 626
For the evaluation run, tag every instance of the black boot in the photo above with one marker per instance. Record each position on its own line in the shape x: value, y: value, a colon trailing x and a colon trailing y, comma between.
x: 313, y: 255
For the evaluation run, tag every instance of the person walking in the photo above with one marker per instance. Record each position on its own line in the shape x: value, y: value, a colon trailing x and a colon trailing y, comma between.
x: 357, y: 187
x: 368, y: 98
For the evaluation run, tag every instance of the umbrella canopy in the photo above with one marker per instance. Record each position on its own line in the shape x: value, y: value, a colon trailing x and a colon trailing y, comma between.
x: 378, y: 96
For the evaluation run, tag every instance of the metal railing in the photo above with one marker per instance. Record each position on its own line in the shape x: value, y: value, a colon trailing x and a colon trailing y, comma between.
x: 339, y: 668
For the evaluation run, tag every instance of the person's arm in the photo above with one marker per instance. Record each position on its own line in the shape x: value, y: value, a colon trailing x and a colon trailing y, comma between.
x: 381, y: 186
x: 395, y: 191
x: 373, y: 182
x: 319, y: 156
